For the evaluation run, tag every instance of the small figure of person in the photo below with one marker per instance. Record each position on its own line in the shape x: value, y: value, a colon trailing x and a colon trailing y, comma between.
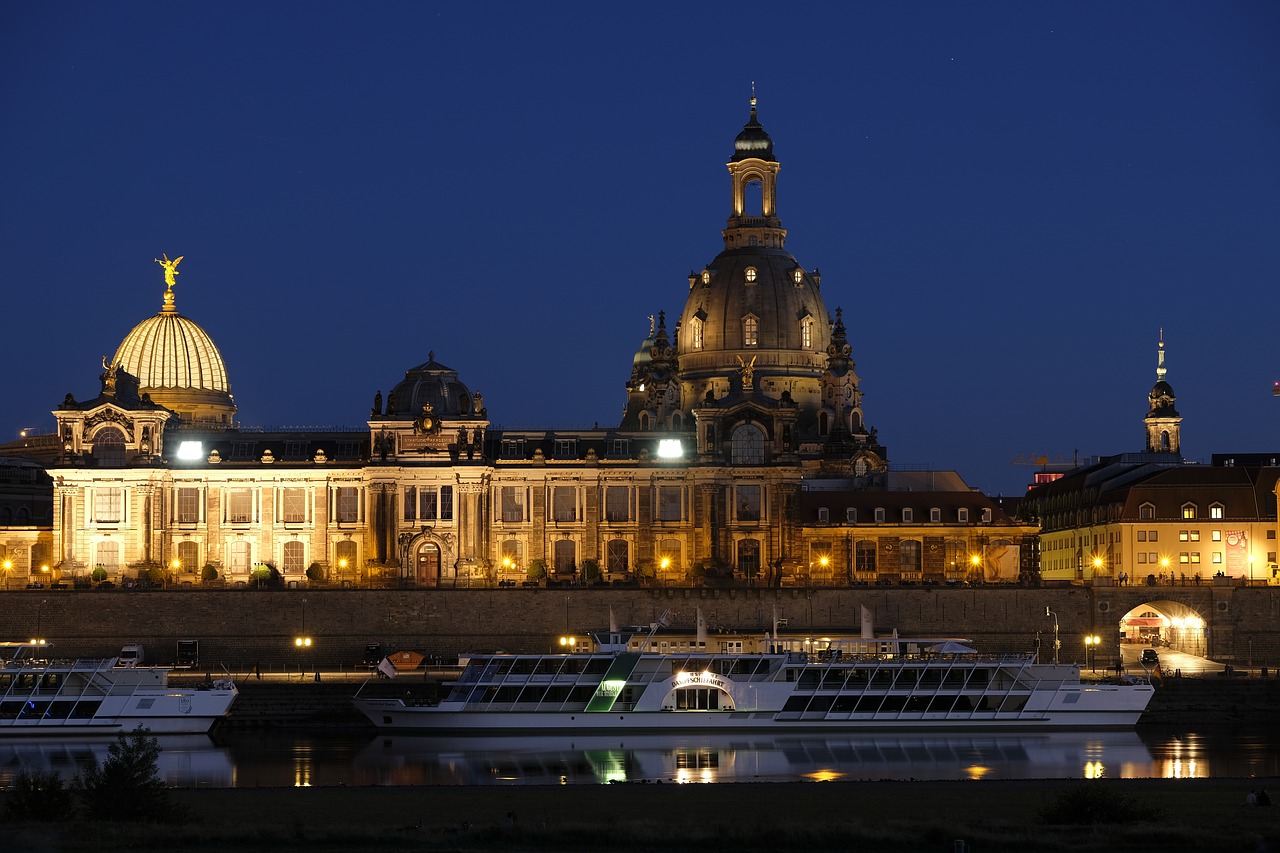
x: 1251, y: 799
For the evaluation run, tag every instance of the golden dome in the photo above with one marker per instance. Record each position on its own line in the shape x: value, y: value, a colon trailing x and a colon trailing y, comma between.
x: 177, y: 363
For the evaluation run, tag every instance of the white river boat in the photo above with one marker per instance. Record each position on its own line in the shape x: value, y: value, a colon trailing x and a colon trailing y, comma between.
x: 45, y: 697
x: 880, y: 683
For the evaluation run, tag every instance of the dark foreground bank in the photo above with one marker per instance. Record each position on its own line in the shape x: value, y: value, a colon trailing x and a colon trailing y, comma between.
x: 1117, y: 815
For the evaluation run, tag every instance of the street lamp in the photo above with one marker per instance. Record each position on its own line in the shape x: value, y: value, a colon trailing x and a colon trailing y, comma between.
x: 1057, y: 644
x: 38, y: 639
x: 8, y: 567
x: 1091, y: 645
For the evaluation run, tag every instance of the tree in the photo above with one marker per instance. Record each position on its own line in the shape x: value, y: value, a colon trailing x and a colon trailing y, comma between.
x: 315, y: 572
x: 127, y: 785
x: 590, y: 571
x: 536, y: 570
x: 38, y: 795
x: 209, y: 573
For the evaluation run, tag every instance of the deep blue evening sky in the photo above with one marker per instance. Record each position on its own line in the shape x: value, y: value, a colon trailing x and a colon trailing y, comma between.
x: 1008, y: 200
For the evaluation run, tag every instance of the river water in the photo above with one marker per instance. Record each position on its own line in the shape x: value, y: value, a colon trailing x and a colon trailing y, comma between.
x: 274, y: 759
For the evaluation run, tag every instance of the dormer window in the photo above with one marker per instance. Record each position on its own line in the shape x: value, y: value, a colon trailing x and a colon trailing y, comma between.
x: 1189, y: 511
x: 908, y: 515
x: 706, y: 276
x: 1146, y: 512
x: 879, y: 515
x: 1215, y: 511
x: 935, y: 515
x: 851, y: 515
x: 824, y: 515
x: 962, y: 515
x: 751, y: 275
x: 986, y: 515
x: 798, y: 275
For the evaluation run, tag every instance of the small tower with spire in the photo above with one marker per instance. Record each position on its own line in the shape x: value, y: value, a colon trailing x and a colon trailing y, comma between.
x: 1163, y: 423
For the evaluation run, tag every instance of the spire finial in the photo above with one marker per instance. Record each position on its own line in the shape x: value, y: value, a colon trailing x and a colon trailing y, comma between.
x: 1161, y: 370
x: 753, y: 94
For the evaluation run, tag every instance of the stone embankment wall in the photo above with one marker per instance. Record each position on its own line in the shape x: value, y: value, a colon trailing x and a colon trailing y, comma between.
x: 243, y: 629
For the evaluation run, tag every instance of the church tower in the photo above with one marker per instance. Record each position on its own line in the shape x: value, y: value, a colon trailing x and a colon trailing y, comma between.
x: 1164, y: 424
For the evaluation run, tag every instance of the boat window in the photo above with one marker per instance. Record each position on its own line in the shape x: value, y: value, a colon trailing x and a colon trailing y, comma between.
x: 532, y: 693
x: 51, y: 680
x: 547, y: 666
x: 597, y: 666
x: 506, y: 694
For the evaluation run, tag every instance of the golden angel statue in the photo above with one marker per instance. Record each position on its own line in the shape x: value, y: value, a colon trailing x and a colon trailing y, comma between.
x: 170, y: 267
x: 748, y: 371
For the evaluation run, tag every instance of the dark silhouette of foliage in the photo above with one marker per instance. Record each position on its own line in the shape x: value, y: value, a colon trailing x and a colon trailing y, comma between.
x: 38, y: 795
x: 127, y: 785
x: 1096, y: 803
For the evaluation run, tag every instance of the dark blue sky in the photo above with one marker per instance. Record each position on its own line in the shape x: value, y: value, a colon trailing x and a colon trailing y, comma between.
x: 1009, y: 200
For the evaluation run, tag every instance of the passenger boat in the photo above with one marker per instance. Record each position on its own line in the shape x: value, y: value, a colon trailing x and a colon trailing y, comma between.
x: 43, y: 697
x: 880, y: 683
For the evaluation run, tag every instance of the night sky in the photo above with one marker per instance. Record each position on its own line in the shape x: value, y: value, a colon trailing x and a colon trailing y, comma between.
x: 1009, y: 200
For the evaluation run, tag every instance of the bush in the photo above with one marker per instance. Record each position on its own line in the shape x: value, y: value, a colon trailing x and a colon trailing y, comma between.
x: 265, y: 574
x: 315, y: 572
x: 590, y: 571
x: 99, y: 574
x: 126, y: 786
x: 1096, y: 803
x: 536, y: 570
x: 209, y: 573
x: 38, y: 795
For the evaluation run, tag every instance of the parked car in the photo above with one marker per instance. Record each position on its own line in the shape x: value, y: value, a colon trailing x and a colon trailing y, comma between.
x: 1150, y: 657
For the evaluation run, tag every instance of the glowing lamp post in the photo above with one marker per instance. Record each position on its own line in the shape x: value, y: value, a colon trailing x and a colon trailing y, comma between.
x: 568, y: 644
x: 302, y: 642
x: 1091, y: 645
x: 8, y: 568
x: 1057, y: 644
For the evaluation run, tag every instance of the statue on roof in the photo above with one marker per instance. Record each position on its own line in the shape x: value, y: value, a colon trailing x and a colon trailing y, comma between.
x: 748, y: 371
x: 170, y: 268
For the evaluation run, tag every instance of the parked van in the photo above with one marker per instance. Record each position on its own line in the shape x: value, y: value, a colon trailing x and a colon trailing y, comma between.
x: 130, y: 655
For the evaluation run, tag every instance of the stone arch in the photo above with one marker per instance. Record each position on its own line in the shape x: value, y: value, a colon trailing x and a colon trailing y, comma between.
x: 1170, y: 623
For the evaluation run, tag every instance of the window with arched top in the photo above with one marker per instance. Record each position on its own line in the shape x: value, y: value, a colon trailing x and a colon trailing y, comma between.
x: 696, y: 329
x: 909, y: 553
x: 747, y: 445
x: 108, y: 448
x: 806, y: 332
x: 750, y: 332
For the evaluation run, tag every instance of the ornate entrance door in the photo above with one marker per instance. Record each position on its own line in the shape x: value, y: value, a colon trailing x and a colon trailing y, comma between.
x: 427, y: 565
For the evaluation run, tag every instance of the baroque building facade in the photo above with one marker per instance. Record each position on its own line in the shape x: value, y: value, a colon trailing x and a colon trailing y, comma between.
x: 742, y: 455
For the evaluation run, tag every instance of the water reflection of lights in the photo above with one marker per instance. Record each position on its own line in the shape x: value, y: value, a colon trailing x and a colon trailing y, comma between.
x: 1178, y: 768
x: 976, y: 771
x: 695, y: 775
x: 1094, y: 770
x: 824, y: 775
x: 303, y: 766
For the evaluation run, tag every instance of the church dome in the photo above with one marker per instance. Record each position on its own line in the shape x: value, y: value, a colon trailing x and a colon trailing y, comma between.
x: 431, y: 384
x: 179, y: 366
x: 754, y: 306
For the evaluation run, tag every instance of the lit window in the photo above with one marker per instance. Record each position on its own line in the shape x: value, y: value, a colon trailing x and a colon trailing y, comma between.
x: 1216, y: 536
x: 240, y: 506
x: 1215, y: 511
x: 750, y: 332
x: 798, y: 275
x: 108, y: 505
x: 348, y: 504
x: 751, y: 274
x: 511, y: 499
x: 293, y: 504
x: 294, y: 554
x: 1195, y: 536
x: 1142, y: 557
x: 1189, y: 511
x: 706, y: 276
x: 1142, y: 536
x: 1217, y: 556
x: 806, y: 332
x: 188, y: 506
x: 669, y: 503
x: 1183, y: 536
x: 697, y: 332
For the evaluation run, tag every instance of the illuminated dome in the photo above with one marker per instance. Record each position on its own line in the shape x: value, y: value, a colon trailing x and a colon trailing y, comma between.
x: 179, y: 366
